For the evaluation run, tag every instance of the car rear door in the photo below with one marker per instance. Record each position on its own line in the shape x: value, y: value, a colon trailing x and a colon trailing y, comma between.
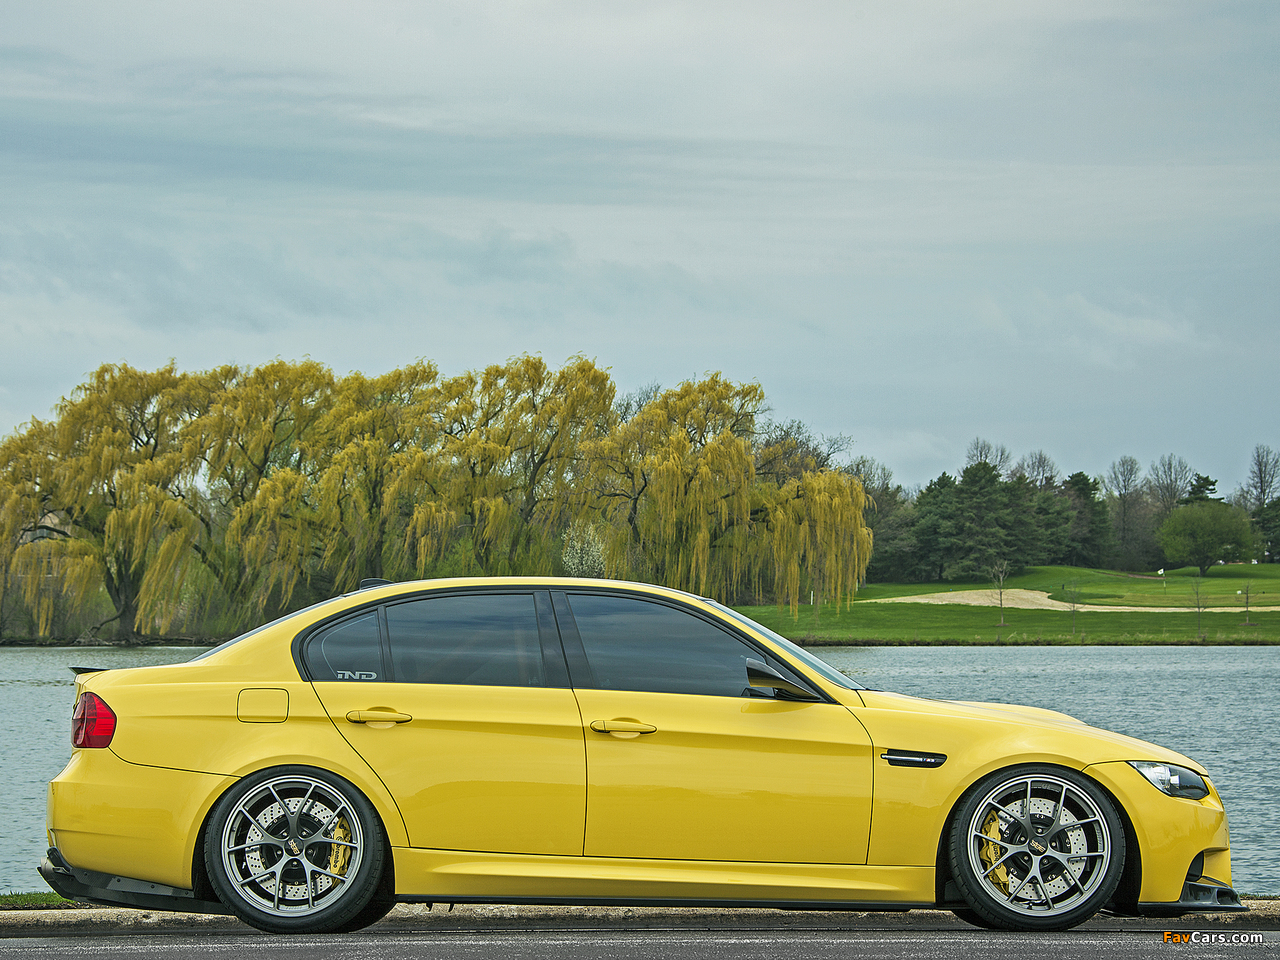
x: 461, y: 704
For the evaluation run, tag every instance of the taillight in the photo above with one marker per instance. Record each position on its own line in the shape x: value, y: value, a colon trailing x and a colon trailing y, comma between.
x: 93, y: 724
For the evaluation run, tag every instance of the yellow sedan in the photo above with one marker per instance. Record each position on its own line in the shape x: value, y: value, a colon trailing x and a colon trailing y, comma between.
x: 597, y: 742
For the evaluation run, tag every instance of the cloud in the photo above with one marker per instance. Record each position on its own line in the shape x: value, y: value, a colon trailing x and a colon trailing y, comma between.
x: 903, y: 219
x: 1143, y: 327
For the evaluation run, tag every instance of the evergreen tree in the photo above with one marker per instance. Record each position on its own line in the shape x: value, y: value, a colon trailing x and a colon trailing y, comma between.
x: 936, y: 533
x: 983, y: 519
x: 1088, y: 533
x: 1202, y: 491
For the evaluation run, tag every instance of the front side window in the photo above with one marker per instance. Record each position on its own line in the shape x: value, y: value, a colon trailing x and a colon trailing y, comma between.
x: 633, y: 644
x: 797, y: 651
x: 489, y: 639
x: 348, y: 650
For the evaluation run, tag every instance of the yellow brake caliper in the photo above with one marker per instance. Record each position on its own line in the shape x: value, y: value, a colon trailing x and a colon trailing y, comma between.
x: 990, y: 853
x: 340, y: 856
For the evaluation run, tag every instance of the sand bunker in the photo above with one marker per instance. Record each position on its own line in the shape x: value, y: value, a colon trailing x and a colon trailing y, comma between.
x: 1038, y: 600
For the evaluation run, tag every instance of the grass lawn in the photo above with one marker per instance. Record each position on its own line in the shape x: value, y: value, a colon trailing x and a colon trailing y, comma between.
x: 927, y: 623
x: 34, y: 901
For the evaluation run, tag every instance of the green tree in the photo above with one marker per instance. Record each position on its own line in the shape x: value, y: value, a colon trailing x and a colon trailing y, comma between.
x: 1053, y: 515
x: 1201, y: 490
x: 891, y: 515
x: 937, y: 527
x: 1088, y: 533
x: 1205, y: 532
x: 983, y: 519
x: 1267, y: 523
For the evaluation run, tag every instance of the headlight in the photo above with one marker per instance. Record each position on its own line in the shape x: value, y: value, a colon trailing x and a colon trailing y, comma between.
x: 1175, y: 781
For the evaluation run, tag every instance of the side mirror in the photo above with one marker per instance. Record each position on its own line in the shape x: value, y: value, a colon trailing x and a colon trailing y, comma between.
x: 762, y: 675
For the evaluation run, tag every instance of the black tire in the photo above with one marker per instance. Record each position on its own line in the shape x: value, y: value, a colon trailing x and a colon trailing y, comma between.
x: 298, y: 850
x: 376, y: 909
x: 1036, y: 848
x: 976, y: 919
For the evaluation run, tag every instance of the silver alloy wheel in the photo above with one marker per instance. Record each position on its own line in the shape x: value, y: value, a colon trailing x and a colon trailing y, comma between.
x: 292, y: 846
x: 1039, y: 845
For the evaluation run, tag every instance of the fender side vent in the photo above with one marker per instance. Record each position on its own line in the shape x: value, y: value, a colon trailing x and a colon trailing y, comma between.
x: 913, y: 758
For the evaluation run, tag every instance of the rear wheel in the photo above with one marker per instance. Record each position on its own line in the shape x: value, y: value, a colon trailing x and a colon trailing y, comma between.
x: 297, y: 850
x: 1036, y: 848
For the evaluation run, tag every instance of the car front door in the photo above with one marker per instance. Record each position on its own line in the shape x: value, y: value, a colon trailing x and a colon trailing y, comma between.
x: 685, y: 761
x: 461, y: 705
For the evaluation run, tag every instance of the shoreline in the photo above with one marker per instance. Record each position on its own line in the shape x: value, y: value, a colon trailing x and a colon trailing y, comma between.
x: 807, y: 642
x: 1021, y: 641
x: 65, y: 644
x: 803, y: 640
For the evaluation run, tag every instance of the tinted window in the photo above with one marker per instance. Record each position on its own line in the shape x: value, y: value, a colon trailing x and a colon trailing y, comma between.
x: 489, y: 639
x: 349, y: 650
x: 636, y: 645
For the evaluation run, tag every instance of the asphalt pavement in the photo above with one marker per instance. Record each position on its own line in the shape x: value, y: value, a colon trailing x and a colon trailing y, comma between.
x: 386, y: 942
x: 498, y: 920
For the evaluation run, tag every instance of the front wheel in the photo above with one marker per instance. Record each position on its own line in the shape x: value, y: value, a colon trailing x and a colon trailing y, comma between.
x: 1036, y: 848
x: 296, y: 850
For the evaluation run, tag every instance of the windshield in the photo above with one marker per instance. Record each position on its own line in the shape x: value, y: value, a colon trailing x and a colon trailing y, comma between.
x: 800, y: 653
x: 256, y: 630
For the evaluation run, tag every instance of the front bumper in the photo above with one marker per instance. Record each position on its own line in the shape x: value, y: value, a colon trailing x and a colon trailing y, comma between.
x: 1198, y: 896
x: 76, y: 883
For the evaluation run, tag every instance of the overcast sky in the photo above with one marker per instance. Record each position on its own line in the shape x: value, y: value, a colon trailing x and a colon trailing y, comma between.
x: 1054, y: 225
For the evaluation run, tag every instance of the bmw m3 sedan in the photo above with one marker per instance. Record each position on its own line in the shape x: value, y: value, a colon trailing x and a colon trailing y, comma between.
x: 559, y: 741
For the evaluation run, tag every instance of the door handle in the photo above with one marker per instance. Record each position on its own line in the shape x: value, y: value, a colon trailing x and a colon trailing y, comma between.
x: 623, y: 727
x: 378, y: 717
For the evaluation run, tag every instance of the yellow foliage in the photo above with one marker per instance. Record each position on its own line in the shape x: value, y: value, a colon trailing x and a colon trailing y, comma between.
x: 101, y: 480
x: 816, y: 525
x: 499, y: 469
x: 675, y: 480
x: 276, y: 478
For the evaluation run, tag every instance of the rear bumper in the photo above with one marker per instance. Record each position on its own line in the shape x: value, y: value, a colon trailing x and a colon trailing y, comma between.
x: 113, y: 817
x: 76, y: 883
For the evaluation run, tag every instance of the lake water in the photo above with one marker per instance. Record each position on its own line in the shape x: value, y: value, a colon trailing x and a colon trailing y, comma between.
x: 1216, y: 704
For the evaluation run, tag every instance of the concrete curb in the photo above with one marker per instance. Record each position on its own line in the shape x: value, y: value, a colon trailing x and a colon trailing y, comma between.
x: 420, y: 918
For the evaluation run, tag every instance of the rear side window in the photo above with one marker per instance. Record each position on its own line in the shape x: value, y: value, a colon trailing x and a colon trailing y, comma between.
x: 489, y: 639
x: 637, y: 645
x: 349, y: 650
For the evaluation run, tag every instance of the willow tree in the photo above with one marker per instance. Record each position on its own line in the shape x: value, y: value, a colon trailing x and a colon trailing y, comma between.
x: 817, y: 528
x: 675, y: 482
x: 495, y: 481
x: 370, y: 428
x: 250, y: 425
x: 94, y: 503
x: 25, y: 491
